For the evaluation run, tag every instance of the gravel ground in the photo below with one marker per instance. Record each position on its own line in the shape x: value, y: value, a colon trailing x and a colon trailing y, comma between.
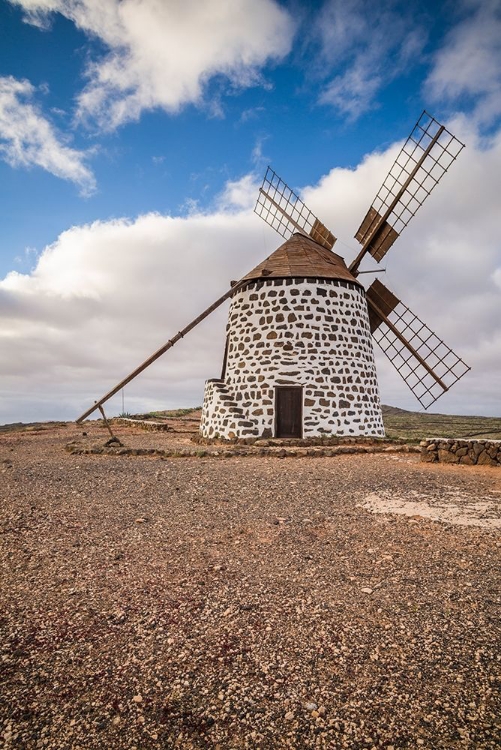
x: 245, y: 602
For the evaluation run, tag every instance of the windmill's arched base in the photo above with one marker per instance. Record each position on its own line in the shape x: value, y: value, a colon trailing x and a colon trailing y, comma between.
x: 300, y: 364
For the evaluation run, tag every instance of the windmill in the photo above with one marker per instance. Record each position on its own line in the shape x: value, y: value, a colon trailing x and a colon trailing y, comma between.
x: 299, y: 359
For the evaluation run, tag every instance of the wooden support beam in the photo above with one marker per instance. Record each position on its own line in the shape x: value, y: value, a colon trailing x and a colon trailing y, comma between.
x: 105, y: 420
x: 162, y: 350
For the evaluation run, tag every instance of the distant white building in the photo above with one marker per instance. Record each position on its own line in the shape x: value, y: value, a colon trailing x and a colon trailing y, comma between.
x: 299, y: 360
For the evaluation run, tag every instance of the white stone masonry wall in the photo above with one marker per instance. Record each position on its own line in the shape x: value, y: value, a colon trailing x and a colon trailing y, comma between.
x: 307, y: 332
x: 221, y: 415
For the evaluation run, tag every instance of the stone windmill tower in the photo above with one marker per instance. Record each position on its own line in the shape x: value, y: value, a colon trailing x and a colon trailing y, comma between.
x: 299, y: 359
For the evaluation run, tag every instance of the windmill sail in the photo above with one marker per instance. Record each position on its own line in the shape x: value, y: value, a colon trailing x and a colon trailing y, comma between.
x: 282, y: 209
x: 427, y: 154
x: 424, y: 361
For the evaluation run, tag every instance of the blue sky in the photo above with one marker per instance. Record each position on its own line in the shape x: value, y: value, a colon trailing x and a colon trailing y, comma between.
x: 132, y: 139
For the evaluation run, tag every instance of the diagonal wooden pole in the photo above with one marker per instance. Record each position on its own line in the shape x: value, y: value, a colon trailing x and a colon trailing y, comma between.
x: 162, y: 350
x: 105, y: 420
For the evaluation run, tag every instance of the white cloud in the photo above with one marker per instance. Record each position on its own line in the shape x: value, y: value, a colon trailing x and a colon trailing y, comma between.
x: 241, y: 193
x: 258, y: 158
x: 28, y: 139
x: 367, y: 47
x: 104, y: 296
x: 468, y: 66
x: 164, y: 54
x: 254, y: 113
x: 497, y: 277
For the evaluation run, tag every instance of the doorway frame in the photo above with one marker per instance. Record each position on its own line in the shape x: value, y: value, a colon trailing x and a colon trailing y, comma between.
x: 290, y: 388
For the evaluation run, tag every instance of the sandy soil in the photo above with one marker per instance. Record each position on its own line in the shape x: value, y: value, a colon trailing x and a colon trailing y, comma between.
x: 245, y: 602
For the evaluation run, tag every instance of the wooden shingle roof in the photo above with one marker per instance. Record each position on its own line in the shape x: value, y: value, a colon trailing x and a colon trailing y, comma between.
x: 302, y: 257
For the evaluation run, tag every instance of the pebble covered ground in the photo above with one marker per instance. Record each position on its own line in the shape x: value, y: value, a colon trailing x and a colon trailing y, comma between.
x: 243, y: 602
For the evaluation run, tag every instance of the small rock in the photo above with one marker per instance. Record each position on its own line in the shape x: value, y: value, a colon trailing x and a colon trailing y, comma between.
x: 289, y: 716
x: 113, y: 442
x: 310, y: 706
x: 366, y: 590
x: 137, y: 698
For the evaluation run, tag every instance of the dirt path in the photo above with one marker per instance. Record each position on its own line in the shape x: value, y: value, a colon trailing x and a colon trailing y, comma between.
x: 245, y: 602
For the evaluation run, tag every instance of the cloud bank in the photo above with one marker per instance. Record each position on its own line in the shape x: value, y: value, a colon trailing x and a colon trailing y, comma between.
x: 104, y: 296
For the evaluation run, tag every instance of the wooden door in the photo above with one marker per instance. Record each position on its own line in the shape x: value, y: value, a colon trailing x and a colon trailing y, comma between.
x: 289, y: 412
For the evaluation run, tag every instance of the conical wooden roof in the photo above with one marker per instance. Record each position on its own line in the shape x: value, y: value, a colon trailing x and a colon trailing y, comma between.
x: 302, y: 257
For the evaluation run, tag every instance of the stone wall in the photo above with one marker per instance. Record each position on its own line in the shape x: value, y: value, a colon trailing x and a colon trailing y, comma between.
x: 312, y: 333
x: 469, y: 452
x: 222, y: 417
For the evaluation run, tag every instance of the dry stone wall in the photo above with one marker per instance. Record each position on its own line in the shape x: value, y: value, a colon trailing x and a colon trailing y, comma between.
x: 469, y: 452
x: 312, y: 333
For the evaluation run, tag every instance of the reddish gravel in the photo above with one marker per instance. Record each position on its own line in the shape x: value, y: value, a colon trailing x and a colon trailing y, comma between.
x: 244, y: 602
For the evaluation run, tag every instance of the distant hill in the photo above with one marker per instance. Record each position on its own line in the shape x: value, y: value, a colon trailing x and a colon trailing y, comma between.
x: 30, y: 426
x: 399, y: 423
x: 411, y: 425
x: 390, y: 410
